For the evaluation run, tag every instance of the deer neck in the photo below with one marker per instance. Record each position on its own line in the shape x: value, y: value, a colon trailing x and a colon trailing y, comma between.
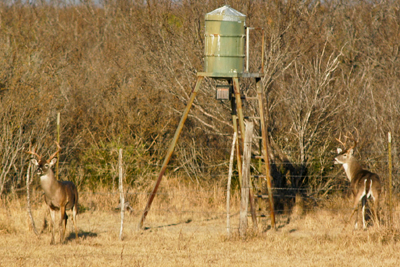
x: 352, y: 168
x: 49, y: 183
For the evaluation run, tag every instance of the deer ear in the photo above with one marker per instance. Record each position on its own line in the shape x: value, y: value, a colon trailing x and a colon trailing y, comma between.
x: 351, y: 151
x: 34, y: 162
x: 339, y: 150
x: 53, y: 161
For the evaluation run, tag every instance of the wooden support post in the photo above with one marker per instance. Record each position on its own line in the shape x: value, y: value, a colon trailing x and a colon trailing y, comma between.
x: 265, y: 151
x: 238, y: 98
x: 245, y: 190
x: 236, y: 89
x: 235, y: 129
x: 259, y: 169
x: 238, y: 156
x: 252, y: 204
x: 228, y: 189
x: 170, y: 150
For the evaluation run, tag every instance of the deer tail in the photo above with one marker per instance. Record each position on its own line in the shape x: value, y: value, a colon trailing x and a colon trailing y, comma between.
x: 367, y: 187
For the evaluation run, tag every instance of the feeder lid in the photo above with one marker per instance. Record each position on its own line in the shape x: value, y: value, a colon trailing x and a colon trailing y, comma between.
x: 225, y: 13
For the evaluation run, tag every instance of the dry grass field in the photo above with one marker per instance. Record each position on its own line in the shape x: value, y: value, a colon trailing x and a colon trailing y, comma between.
x: 187, y: 227
x: 120, y: 74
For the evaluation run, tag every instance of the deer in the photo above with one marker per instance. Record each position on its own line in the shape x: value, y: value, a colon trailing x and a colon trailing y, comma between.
x: 59, y: 196
x: 364, y: 184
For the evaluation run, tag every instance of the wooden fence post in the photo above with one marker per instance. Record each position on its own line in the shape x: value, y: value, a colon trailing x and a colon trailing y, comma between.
x: 58, y: 140
x: 121, y: 191
x: 390, y: 179
x: 245, y: 190
x: 28, y: 198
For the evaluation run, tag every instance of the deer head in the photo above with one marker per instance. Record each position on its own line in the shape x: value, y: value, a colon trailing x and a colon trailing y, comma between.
x: 346, y: 155
x: 43, y: 166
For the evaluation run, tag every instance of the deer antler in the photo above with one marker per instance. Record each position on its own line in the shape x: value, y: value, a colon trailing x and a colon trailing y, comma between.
x: 55, y: 153
x: 33, y: 152
x: 340, y: 141
x: 353, y: 139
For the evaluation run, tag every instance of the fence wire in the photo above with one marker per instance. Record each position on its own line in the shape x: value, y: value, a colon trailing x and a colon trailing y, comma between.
x: 315, y: 195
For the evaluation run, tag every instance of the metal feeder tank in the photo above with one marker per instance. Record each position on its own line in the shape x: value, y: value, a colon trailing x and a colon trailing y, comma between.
x: 224, y: 42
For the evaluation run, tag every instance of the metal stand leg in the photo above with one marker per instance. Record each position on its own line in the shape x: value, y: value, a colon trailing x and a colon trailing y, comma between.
x: 171, y: 150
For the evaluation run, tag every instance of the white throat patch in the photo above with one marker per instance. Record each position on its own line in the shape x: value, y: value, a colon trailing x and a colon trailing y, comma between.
x: 345, y: 166
x: 44, y: 177
x: 347, y: 170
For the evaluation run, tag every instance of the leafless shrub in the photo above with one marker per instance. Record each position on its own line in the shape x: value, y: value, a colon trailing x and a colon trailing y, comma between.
x: 121, y: 73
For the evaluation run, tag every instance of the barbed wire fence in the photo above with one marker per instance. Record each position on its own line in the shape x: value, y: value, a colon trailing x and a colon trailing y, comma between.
x: 185, y: 210
x: 315, y: 195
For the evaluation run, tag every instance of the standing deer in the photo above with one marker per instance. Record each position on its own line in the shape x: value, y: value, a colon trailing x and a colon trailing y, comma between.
x: 60, y: 196
x: 363, y: 183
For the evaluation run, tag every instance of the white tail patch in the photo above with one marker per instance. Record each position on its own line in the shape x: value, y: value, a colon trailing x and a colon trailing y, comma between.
x: 370, y: 193
x: 365, y: 187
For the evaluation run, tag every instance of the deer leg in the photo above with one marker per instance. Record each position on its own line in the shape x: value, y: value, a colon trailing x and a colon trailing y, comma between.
x: 375, y: 211
x: 52, y: 224
x: 63, y: 223
x: 364, y: 202
x: 74, y: 212
x: 45, y: 223
x: 360, y: 196
x: 354, y: 211
x: 357, y: 198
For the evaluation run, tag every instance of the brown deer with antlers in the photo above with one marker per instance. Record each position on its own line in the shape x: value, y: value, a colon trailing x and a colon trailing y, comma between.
x: 60, y: 196
x: 363, y: 183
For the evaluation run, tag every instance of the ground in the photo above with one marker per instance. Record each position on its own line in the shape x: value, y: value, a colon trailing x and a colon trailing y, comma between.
x: 318, y: 238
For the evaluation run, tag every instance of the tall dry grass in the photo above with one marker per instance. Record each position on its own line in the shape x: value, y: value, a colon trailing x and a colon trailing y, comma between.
x: 187, y: 227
